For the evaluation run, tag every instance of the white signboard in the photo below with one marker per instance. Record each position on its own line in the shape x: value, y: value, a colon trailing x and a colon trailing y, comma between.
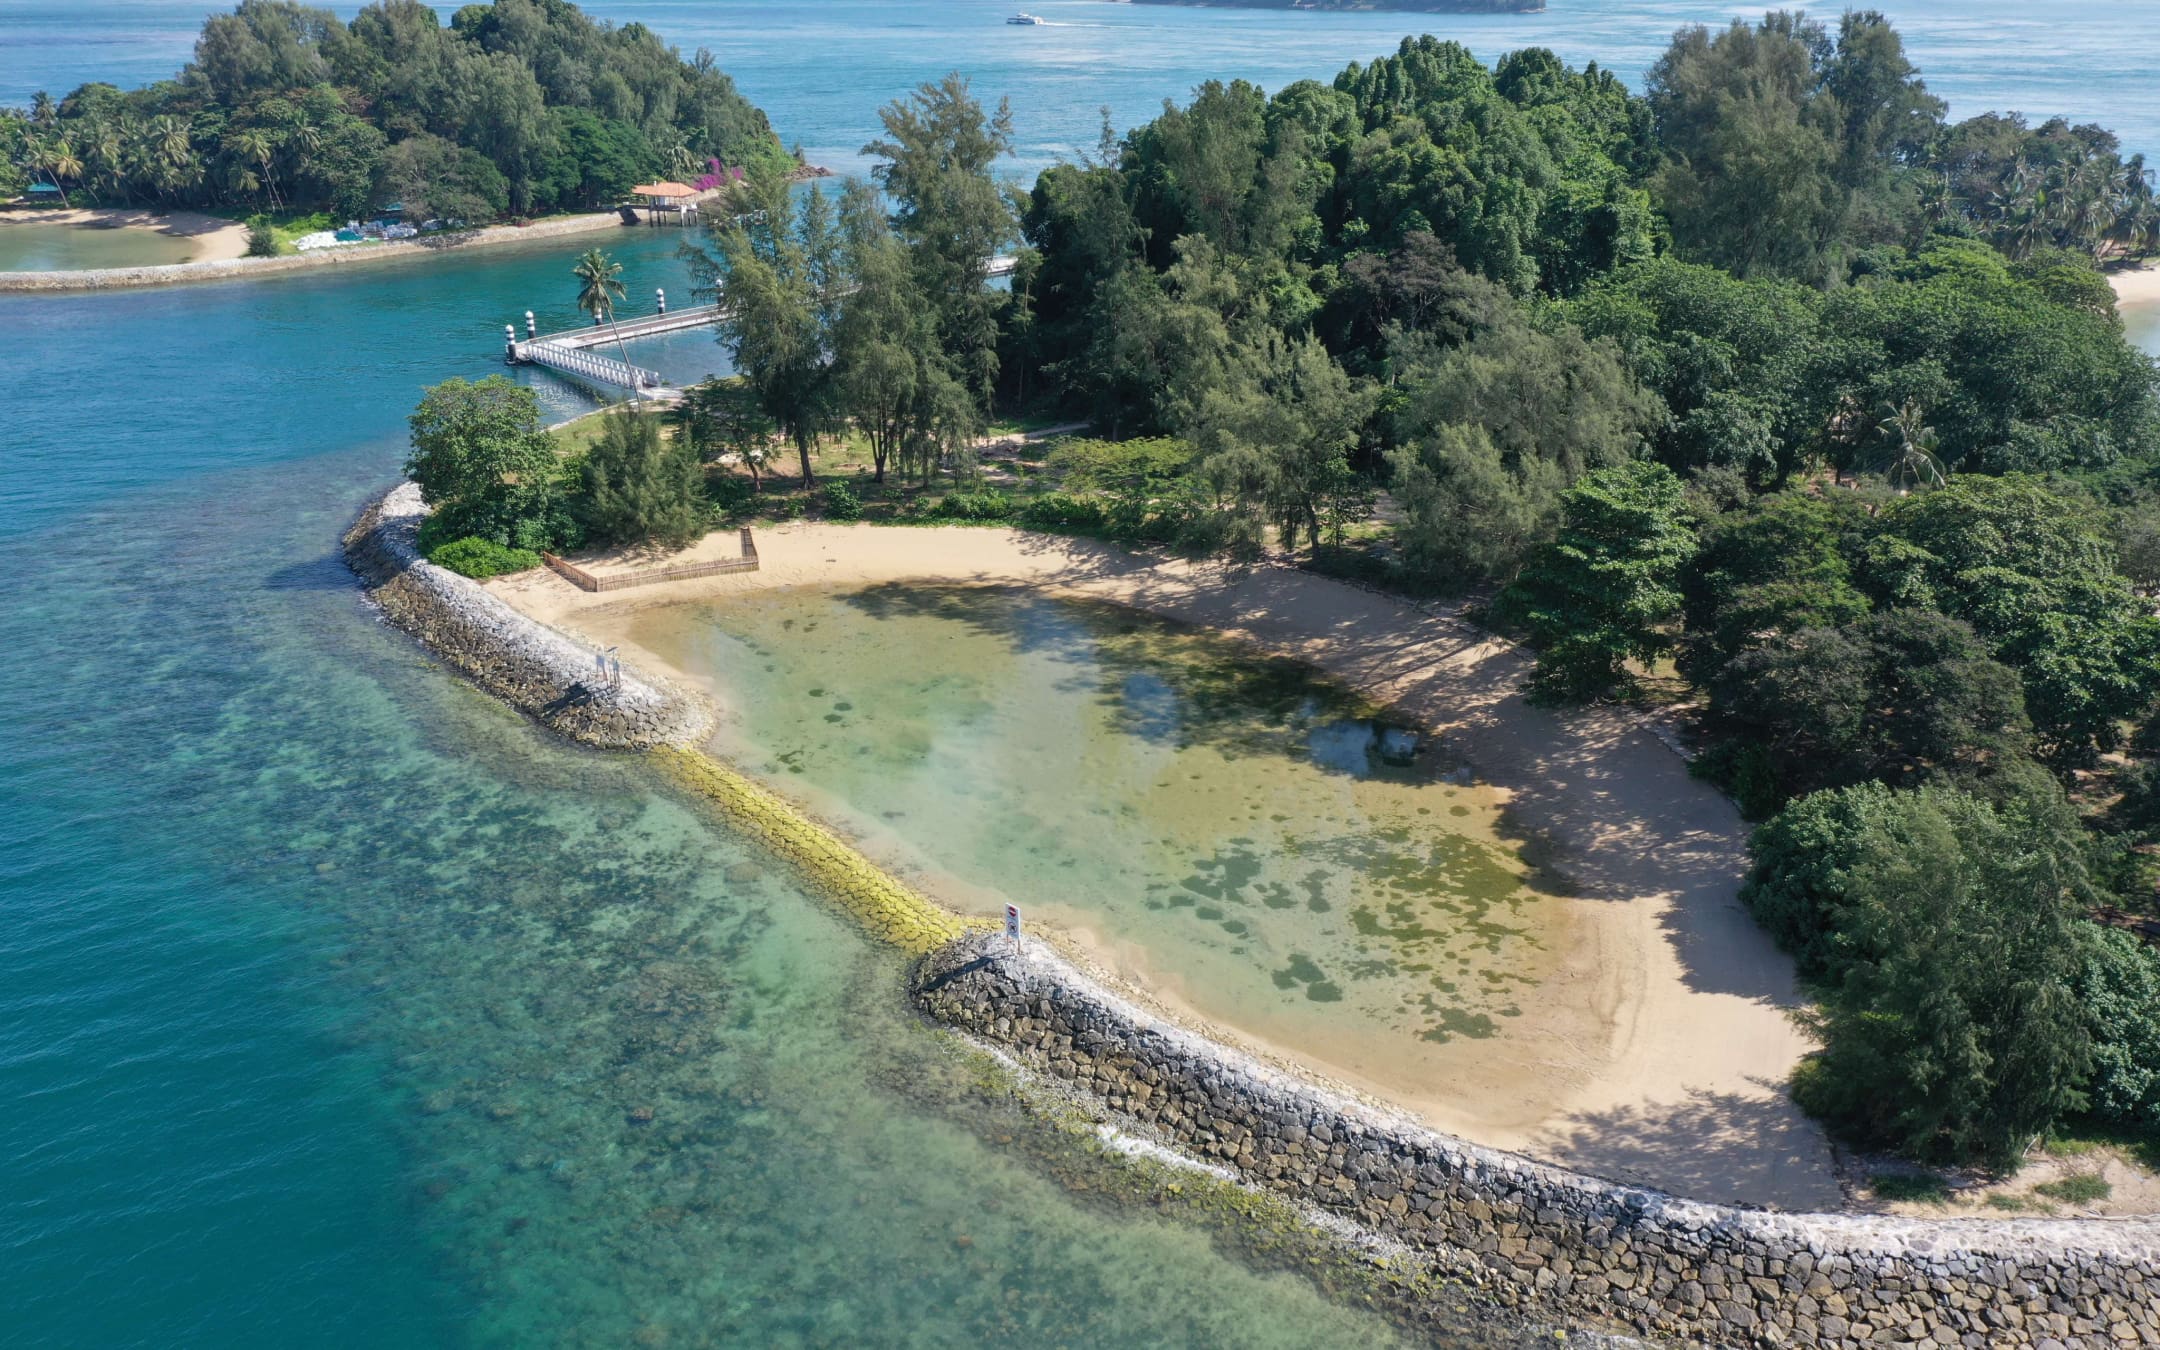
x: 1012, y: 923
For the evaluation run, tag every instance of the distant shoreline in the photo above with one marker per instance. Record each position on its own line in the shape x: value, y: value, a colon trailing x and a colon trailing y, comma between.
x: 1370, y: 6
x: 233, y: 269
x: 225, y: 243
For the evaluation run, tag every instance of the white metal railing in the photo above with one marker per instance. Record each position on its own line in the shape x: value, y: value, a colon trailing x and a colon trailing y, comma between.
x: 590, y: 365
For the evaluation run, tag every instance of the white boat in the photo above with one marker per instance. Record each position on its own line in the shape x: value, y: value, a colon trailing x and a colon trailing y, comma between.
x: 1027, y: 18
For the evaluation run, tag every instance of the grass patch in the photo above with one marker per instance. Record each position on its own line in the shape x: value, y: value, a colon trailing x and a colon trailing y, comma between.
x: 1909, y: 1186
x: 2010, y: 1204
x: 2082, y: 1189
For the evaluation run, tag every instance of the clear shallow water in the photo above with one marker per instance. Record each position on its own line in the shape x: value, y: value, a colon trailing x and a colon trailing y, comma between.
x: 1254, y: 840
x: 53, y: 248
x: 821, y: 69
x: 2141, y: 323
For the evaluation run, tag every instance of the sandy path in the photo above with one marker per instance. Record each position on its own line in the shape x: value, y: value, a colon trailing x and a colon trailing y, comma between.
x: 215, y: 239
x: 1668, y: 1030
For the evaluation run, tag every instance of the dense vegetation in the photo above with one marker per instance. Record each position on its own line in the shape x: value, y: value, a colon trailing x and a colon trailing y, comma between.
x: 500, y: 489
x: 516, y: 106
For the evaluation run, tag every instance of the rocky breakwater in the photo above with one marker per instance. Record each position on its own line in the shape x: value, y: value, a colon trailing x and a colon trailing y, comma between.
x: 518, y: 659
x: 1542, y: 1238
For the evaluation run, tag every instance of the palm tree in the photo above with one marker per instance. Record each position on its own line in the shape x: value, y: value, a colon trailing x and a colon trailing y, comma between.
x: 66, y: 164
x: 254, y: 148
x: 1912, y: 459
x: 597, y: 293
x: 42, y: 113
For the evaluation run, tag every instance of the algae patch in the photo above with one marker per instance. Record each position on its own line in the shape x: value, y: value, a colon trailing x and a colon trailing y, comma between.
x: 890, y: 910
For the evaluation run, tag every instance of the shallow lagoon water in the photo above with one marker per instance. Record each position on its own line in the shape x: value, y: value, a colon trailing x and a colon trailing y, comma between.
x: 67, y: 248
x: 1256, y: 843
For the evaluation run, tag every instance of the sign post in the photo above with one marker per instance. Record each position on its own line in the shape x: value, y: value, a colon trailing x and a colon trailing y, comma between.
x: 1012, y: 927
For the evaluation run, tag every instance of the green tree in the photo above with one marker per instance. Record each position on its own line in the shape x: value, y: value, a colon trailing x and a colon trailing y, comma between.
x: 1780, y: 566
x: 435, y: 179
x: 722, y: 417
x: 1783, y: 146
x: 2031, y: 572
x: 1494, y: 430
x: 1278, y: 430
x: 640, y: 487
x: 772, y: 269
x: 484, y: 465
x: 1952, y: 1030
x: 1900, y: 695
x: 936, y: 155
x: 2119, y: 990
x: 885, y: 347
x: 1606, y: 590
x: 599, y: 284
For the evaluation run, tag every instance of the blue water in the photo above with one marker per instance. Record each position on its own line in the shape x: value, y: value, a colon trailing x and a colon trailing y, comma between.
x: 332, y: 994
x: 821, y: 69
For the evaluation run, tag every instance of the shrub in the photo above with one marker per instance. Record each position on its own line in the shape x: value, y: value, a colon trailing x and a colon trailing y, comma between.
x: 482, y: 558
x: 1909, y: 1186
x: 726, y: 494
x: 976, y: 506
x: 1797, y: 887
x: 2081, y: 1189
x: 1063, y: 511
x: 841, y: 503
x: 262, y: 241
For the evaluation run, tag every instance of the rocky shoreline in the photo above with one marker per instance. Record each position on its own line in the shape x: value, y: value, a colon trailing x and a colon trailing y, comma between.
x: 526, y: 664
x: 1551, y: 1242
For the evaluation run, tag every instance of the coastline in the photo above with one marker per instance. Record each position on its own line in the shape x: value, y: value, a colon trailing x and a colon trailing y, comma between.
x: 1674, y: 1025
x: 214, y: 238
x: 1381, y: 1185
x: 245, y: 268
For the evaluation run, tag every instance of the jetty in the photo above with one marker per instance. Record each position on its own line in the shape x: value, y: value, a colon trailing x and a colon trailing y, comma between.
x: 570, y: 351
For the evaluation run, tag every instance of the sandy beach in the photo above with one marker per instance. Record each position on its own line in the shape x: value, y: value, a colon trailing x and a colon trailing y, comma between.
x: 230, y: 263
x: 1663, y: 1029
x: 213, y: 238
x: 2137, y: 285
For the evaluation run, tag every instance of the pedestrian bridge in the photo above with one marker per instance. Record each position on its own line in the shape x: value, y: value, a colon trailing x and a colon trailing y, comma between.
x: 570, y: 352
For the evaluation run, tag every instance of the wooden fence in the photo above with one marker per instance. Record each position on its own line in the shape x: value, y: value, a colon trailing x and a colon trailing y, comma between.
x: 586, y: 581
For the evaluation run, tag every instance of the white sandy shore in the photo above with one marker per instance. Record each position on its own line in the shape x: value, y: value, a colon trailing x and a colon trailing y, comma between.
x: 214, y: 238
x: 234, y: 266
x: 1663, y: 1034
x: 2137, y: 285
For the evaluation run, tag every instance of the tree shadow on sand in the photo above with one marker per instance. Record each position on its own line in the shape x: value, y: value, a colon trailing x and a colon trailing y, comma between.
x: 1716, y: 1146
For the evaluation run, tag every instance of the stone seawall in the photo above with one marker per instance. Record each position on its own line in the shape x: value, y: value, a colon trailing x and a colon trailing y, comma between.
x: 523, y: 662
x: 1550, y: 1240
x: 233, y: 269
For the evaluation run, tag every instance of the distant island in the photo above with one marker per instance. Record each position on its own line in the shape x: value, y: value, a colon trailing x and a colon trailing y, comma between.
x: 1412, y: 6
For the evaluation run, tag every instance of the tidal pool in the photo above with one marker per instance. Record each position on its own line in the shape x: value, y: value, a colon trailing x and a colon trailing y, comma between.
x: 69, y: 248
x: 1245, y: 838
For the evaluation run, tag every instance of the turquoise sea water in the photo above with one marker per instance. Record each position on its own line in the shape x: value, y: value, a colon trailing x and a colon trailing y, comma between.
x: 821, y: 68
x: 333, y: 996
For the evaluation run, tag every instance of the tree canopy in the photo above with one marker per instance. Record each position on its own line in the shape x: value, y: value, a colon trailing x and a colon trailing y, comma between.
x: 517, y: 105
